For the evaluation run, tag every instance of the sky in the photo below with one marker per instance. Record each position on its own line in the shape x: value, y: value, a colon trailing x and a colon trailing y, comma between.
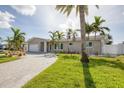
x: 37, y: 21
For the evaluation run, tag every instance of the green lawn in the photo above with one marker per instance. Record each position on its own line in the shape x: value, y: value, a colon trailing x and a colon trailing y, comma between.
x: 4, y: 58
x: 68, y: 72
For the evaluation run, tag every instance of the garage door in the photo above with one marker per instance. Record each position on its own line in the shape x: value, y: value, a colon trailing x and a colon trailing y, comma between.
x: 34, y: 48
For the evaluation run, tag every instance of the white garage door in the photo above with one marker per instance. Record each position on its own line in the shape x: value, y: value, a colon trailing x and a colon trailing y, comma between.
x: 34, y: 48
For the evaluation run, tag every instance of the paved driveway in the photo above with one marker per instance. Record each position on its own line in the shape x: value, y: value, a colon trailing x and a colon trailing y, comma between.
x: 17, y: 73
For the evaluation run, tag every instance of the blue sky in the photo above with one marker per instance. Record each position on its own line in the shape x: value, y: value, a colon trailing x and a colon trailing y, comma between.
x: 37, y: 21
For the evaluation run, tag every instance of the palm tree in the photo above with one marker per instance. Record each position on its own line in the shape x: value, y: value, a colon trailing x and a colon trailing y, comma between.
x: 88, y: 28
x: 81, y: 10
x: 59, y: 35
x: 110, y: 39
x: 97, y: 26
x: 1, y: 40
x: 18, y: 38
x: 53, y: 37
x: 74, y: 35
x: 9, y: 42
x: 69, y: 33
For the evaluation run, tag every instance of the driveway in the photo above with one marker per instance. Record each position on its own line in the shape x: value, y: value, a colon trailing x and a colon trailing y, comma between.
x: 17, y: 73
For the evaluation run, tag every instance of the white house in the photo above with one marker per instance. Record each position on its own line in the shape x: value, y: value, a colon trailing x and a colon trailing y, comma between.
x: 93, y: 45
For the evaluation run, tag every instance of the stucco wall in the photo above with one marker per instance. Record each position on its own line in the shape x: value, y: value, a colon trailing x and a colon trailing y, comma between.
x: 76, y: 47
x: 39, y: 42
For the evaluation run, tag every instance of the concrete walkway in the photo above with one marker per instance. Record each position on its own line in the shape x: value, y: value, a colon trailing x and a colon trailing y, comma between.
x: 17, y: 73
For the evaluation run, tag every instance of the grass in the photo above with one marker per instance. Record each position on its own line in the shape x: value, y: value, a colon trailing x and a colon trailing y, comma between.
x: 4, y: 58
x: 68, y: 72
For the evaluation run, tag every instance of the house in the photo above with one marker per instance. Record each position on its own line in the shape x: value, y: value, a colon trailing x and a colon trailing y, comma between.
x: 93, y: 45
x: 2, y: 47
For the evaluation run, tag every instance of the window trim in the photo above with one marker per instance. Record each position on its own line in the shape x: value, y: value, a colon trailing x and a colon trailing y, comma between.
x: 55, y: 46
x: 70, y: 44
x: 88, y: 43
x: 61, y: 46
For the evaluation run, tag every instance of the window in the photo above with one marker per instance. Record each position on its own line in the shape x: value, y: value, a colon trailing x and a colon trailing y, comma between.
x: 55, y: 46
x: 61, y: 46
x: 89, y: 44
x: 70, y: 43
x: 50, y: 46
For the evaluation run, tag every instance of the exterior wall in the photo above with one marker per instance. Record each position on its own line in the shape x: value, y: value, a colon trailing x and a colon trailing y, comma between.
x: 95, y: 49
x: 41, y: 44
x: 76, y: 47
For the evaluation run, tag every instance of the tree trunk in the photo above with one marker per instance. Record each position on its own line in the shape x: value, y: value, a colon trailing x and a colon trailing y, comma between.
x: 95, y: 35
x: 88, y: 36
x: 84, y: 57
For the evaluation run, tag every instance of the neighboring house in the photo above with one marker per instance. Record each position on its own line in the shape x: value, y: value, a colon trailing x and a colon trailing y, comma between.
x: 93, y: 45
x: 2, y: 47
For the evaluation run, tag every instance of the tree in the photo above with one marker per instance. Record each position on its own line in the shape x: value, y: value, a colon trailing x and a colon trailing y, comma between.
x: 18, y: 38
x: 88, y: 28
x: 1, y: 40
x: 9, y: 42
x: 81, y: 10
x: 74, y: 35
x: 71, y: 34
x: 97, y: 26
x: 53, y: 38
x: 59, y: 35
x: 110, y: 39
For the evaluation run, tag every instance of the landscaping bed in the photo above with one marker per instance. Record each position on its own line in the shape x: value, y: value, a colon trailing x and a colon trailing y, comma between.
x: 4, y: 58
x: 69, y: 72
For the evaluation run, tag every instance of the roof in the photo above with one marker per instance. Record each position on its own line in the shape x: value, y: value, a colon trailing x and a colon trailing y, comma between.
x: 90, y: 38
x: 36, y: 38
x: 64, y: 40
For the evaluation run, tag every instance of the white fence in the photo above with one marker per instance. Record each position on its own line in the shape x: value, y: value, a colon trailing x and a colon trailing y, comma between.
x: 113, y: 49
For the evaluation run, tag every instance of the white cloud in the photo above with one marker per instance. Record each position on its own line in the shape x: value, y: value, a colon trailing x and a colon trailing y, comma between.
x: 70, y: 23
x: 5, y: 19
x: 25, y: 9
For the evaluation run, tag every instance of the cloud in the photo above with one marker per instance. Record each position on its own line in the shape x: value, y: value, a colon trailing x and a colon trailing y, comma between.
x: 5, y: 19
x: 25, y: 9
x: 70, y: 23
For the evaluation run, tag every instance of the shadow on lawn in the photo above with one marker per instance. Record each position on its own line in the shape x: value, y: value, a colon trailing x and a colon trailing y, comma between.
x: 108, y: 63
x: 88, y: 80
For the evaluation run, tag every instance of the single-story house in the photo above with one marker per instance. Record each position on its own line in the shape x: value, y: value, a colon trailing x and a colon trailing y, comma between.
x: 93, y: 45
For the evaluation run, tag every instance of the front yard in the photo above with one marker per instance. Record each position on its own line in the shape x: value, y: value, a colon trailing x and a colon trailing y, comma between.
x: 4, y: 58
x: 68, y: 72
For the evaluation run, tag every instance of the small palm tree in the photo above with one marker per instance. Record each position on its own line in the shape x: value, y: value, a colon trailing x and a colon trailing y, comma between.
x: 18, y: 38
x: 1, y: 40
x: 89, y: 29
x: 81, y: 10
x: 59, y: 35
x: 97, y: 26
x: 74, y: 35
x: 9, y: 42
x: 53, y: 38
x: 110, y: 39
x: 69, y: 33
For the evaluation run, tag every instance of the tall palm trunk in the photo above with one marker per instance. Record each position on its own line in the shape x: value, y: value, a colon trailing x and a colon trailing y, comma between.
x: 84, y: 57
x: 95, y: 35
x: 88, y: 36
